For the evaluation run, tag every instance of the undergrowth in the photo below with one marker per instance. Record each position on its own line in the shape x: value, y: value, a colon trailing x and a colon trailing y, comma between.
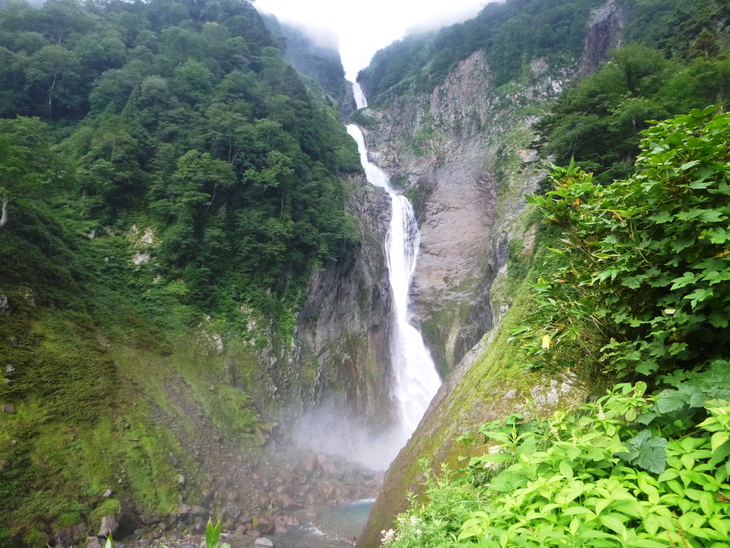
x: 635, y: 288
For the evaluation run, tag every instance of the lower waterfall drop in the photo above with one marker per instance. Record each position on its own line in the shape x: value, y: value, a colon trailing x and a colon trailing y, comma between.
x: 415, y: 377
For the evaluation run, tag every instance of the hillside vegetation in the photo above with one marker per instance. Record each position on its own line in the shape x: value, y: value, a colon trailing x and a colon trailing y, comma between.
x: 637, y: 290
x: 628, y: 291
x: 168, y: 183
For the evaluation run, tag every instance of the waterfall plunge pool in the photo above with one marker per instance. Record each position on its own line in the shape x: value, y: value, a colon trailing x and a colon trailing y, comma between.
x: 335, y: 526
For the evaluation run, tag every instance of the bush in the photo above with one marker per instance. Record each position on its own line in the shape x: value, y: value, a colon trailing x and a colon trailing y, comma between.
x: 643, y: 276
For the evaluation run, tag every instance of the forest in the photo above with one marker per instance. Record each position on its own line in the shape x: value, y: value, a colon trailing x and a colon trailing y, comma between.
x: 162, y: 167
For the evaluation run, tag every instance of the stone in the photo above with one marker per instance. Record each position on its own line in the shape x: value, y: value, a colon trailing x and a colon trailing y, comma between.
x: 265, y: 526
x: 287, y: 503
x: 8, y: 408
x: 199, y: 511
x: 93, y: 542
x: 109, y: 525
x: 9, y: 369
x: 107, y: 493
x: 263, y: 541
x: 310, y: 464
x: 233, y: 511
x: 279, y: 530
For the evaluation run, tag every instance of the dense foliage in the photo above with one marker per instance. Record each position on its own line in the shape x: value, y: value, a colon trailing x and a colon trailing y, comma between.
x: 181, y: 117
x: 677, y: 61
x: 626, y: 471
x: 512, y: 33
x: 641, y: 284
x: 162, y: 167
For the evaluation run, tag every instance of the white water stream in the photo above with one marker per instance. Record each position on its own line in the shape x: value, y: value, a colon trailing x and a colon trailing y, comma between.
x: 415, y: 378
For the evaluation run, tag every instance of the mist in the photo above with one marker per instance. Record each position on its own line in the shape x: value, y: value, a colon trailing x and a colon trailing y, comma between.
x: 364, y: 28
x: 333, y: 430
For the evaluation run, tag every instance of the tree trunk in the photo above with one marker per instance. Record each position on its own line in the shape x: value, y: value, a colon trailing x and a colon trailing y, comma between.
x: 4, y: 217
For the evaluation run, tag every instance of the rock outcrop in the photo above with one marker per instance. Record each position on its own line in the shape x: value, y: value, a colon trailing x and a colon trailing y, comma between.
x: 462, y: 154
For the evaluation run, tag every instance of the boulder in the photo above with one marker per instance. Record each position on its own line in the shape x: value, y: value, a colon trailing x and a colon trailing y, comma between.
x: 199, y: 511
x: 288, y: 503
x: 109, y: 525
x: 310, y: 464
x: 265, y: 526
x: 233, y: 511
x: 93, y: 542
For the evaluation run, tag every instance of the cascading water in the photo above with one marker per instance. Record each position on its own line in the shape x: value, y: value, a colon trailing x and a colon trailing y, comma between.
x: 415, y: 378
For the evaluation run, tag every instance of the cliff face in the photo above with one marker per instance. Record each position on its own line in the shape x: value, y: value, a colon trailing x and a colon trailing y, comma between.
x: 462, y: 154
x: 345, y: 324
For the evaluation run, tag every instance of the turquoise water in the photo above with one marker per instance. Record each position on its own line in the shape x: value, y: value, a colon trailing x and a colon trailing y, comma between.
x: 334, y: 526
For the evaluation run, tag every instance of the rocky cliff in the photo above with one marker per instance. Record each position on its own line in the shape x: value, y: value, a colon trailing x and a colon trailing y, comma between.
x: 463, y: 153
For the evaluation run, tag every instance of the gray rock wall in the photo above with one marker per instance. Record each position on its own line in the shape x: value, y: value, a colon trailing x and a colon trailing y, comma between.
x: 344, y: 326
x: 462, y: 154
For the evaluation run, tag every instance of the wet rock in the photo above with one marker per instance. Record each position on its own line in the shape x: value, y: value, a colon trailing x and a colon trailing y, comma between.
x: 310, y: 464
x: 265, y: 526
x: 287, y: 502
x: 148, y: 520
x: 233, y: 512
x: 263, y: 541
x: 199, y: 511
x: 109, y: 526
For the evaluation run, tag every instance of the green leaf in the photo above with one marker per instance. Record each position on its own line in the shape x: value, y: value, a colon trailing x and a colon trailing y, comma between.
x: 652, y: 523
x: 719, y: 439
x: 614, y: 522
x: 566, y: 469
x: 671, y: 400
x: 647, y: 452
x: 689, y: 165
x: 212, y: 534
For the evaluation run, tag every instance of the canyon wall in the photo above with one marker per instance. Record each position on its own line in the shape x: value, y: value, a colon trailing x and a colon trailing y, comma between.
x: 464, y: 154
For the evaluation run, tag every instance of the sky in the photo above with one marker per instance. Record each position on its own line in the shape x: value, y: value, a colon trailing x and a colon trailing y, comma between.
x: 365, y: 26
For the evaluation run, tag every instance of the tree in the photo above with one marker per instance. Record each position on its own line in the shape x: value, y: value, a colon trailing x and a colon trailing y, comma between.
x: 54, y: 69
x: 28, y: 166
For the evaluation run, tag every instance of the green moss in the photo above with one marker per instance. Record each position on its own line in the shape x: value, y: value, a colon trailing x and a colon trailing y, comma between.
x: 110, y: 507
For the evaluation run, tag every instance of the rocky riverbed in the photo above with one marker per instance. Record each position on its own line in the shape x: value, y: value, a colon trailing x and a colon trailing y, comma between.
x: 294, y: 490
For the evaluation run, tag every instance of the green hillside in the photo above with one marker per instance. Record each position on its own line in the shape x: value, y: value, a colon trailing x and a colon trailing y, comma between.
x: 168, y: 184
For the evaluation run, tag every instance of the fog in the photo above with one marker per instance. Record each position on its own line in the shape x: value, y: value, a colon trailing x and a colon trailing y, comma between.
x: 331, y: 429
x: 365, y: 27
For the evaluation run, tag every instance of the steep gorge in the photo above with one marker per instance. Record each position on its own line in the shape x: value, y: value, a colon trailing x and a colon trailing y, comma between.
x: 464, y: 153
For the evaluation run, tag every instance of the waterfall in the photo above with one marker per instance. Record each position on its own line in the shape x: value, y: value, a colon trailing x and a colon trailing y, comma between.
x: 415, y: 378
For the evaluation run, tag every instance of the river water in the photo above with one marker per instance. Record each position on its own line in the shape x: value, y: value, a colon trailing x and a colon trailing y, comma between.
x: 335, y: 526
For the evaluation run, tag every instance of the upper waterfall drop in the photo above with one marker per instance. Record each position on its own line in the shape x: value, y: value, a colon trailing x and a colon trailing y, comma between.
x: 360, y: 100
x: 415, y: 378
